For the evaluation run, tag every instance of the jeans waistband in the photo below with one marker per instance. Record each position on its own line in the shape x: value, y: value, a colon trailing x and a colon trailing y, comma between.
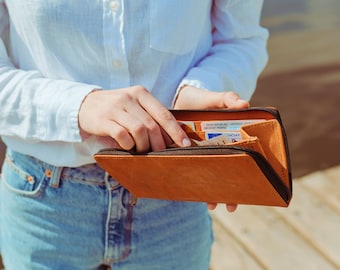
x: 89, y: 174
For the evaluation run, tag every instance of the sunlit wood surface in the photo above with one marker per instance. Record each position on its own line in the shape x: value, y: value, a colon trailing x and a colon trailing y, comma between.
x: 303, y: 236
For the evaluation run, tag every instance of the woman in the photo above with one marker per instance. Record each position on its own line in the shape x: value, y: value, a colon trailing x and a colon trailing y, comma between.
x: 78, y: 76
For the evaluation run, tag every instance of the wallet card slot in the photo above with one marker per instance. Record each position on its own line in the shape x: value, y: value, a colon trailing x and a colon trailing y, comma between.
x: 232, y: 138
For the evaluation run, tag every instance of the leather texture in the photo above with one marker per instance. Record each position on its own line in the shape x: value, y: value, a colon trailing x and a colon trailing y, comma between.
x: 255, y: 170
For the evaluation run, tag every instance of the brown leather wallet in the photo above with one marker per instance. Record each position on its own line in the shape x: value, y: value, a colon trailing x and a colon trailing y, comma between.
x: 254, y: 170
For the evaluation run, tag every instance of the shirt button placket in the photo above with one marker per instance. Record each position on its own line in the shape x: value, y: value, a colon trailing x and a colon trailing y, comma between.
x: 114, y: 7
x: 114, y: 41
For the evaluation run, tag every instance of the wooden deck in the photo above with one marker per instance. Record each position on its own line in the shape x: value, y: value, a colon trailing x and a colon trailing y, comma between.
x: 303, y: 236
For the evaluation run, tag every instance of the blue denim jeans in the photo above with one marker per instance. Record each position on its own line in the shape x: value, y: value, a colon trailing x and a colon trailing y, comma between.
x: 81, y: 218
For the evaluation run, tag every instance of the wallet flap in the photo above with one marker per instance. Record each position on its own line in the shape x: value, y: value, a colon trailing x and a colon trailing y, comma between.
x: 208, y: 174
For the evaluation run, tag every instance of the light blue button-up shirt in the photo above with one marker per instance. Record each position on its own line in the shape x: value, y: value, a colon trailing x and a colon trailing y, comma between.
x: 54, y: 52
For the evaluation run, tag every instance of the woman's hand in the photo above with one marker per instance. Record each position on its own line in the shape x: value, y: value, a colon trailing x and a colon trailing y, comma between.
x: 130, y: 117
x: 194, y: 98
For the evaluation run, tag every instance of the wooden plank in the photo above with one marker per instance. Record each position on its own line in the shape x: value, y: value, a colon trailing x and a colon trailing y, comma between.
x: 333, y: 174
x: 303, y: 236
x: 227, y: 253
x: 269, y: 240
x: 325, y: 184
x: 316, y: 221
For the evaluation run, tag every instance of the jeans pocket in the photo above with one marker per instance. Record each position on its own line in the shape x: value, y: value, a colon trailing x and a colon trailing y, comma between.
x: 176, y: 26
x: 18, y: 180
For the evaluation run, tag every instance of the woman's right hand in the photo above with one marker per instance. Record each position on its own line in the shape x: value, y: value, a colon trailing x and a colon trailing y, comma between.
x: 132, y: 117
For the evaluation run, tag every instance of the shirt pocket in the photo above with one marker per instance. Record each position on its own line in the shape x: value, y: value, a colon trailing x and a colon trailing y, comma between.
x: 176, y: 26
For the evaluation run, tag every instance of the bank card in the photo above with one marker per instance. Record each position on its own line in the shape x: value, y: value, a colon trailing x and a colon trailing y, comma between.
x: 225, y: 125
x: 217, y: 132
x: 229, y: 136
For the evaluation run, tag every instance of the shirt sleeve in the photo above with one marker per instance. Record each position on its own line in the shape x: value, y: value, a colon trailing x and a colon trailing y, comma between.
x: 33, y: 107
x: 238, y: 53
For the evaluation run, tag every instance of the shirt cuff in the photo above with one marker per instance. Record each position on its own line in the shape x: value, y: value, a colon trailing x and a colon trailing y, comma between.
x: 186, y: 82
x: 64, y: 124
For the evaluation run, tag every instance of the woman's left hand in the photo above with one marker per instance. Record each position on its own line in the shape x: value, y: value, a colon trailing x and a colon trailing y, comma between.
x: 194, y: 98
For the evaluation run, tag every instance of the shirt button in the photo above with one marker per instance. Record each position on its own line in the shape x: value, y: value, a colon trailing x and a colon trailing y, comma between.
x: 114, y: 5
x: 117, y: 63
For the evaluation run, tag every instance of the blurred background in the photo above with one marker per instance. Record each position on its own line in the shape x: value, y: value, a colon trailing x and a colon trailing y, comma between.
x: 302, y: 79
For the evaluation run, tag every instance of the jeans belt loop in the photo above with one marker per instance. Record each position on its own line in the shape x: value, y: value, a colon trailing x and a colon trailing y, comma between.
x: 110, y: 182
x: 55, y: 177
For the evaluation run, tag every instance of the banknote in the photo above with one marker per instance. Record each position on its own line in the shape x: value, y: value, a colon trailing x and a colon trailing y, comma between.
x: 217, y: 140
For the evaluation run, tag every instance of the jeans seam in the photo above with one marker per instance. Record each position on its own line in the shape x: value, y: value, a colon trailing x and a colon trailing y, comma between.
x: 109, y: 258
x: 23, y: 174
x: 28, y: 194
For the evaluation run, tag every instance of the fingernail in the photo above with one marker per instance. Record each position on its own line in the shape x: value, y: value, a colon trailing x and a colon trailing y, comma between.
x: 186, y: 142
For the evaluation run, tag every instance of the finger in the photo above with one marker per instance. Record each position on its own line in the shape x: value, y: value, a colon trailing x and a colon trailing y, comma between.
x: 119, y: 134
x: 233, y: 101
x: 154, y: 133
x: 156, y: 138
x: 211, y: 206
x: 196, y: 98
x: 134, y: 127
x: 168, y: 141
x: 146, y: 126
x: 107, y: 142
x: 163, y: 117
x: 231, y: 207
